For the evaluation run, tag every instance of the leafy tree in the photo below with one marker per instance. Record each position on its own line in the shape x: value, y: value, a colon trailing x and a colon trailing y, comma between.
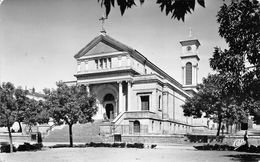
x: 234, y: 91
x: 177, y: 8
x: 213, y: 101
x: 240, y: 63
x: 8, y: 111
x: 35, y: 113
x: 70, y: 104
x: 21, y: 98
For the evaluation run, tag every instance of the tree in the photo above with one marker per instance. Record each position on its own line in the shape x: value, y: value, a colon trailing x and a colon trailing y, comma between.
x: 21, y: 98
x: 213, y: 101
x: 240, y: 63
x: 70, y: 104
x: 35, y: 113
x: 235, y: 92
x: 8, y: 111
x: 177, y: 8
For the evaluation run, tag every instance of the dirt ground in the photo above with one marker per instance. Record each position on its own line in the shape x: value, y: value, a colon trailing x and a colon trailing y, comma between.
x: 160, y: 154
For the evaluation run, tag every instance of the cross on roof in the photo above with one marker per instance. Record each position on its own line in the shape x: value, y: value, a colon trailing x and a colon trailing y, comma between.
x: 102, y: 19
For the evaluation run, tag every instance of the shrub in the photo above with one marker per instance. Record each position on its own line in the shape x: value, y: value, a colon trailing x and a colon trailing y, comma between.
x: 135, y: 145
x: 59, y: 146
x: 115, y: 144
x: 122, y: 145
x: 118, y: 145
x: 6, y: 148
x: 153, y: 146
x: 28, y: 147
x: 215, y: 147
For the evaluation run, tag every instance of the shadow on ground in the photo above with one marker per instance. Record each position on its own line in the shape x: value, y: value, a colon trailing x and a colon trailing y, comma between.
x: 245, y: 157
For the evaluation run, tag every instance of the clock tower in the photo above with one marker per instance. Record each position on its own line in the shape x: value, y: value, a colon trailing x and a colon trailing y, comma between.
x: 190, y: 62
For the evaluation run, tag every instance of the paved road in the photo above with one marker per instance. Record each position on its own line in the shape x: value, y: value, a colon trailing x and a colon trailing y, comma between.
x: 161, y: 154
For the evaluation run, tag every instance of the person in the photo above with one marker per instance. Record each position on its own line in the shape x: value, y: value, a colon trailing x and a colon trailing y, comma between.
x: 246, y: 138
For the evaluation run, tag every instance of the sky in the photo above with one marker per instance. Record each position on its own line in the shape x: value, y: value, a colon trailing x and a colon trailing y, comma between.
x: 39, y: 38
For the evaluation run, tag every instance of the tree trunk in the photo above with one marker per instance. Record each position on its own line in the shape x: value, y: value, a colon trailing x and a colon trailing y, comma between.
x: 219, y: 126
x: 20, y: 127
x: 70, y: 135
x: 10, y: 138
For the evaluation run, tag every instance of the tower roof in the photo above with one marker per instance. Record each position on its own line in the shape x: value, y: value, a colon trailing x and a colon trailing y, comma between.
x: 190, y: 42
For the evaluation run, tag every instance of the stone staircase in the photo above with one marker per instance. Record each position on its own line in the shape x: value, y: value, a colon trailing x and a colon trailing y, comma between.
x: 85, y: 133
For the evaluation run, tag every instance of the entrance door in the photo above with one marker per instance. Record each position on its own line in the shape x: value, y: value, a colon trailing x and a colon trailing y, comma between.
x: 110, y: 111
x: 136, y: 126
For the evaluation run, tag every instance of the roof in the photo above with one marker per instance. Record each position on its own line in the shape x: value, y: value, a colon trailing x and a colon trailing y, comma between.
x: 104, y: 38
x: 190, y: 42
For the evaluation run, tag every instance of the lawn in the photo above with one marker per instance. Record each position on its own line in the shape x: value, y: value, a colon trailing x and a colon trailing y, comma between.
x: 162, y: 154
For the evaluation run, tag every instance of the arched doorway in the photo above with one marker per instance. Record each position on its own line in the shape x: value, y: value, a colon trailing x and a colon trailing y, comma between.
x: 136, y: 126
x: 109, y: 105
x: 109, y: 111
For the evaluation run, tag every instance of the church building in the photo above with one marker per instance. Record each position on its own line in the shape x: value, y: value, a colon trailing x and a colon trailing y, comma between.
x: 134, y: 96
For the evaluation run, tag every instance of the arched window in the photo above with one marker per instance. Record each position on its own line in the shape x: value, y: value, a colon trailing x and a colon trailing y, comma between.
x: 188, y: 73
x: 109, y: 97
x: 136, y: 126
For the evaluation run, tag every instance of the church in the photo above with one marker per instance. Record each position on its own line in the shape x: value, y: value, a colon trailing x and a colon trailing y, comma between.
x: 134, y: 96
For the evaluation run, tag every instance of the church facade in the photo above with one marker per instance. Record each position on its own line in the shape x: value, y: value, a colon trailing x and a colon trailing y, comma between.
x: 134, y: 96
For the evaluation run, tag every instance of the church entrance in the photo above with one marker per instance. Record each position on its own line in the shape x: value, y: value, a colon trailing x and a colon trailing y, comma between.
x: 109, y: 105
x: 110, y: 111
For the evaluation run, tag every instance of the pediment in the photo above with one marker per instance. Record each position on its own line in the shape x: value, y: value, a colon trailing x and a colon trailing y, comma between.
x: 101, y: 47
x: 102, y: 44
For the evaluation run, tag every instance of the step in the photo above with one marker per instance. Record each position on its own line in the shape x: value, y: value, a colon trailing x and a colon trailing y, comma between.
x: 88, y: 132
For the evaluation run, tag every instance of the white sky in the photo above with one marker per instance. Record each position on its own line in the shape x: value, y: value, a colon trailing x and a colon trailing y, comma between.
x: 38, y: 38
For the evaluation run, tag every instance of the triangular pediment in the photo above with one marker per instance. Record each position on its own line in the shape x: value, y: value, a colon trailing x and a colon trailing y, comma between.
x: 101, y: 48
x: 102, y: 44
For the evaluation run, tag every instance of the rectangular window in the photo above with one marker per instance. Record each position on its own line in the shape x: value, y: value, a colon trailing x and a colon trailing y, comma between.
x: 96, y: 62
x: 109, y: 63
x: 101, y: 63
x: 144, y: 102
x: 105, y: 62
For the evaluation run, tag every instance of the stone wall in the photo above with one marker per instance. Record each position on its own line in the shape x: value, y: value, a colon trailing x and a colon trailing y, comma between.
x: 183, y: 139
x: 171, y: 139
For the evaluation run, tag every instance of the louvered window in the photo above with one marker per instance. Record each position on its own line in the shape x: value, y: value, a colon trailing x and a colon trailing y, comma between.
x: 188, y: 73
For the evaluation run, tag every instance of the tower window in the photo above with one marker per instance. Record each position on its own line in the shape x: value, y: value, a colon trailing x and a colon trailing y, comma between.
x: 188, y: 73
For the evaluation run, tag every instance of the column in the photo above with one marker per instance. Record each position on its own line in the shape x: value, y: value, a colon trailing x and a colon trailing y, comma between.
x: 165, y: 105
x: 193, y: 75
x: 120, y: 97
x: 129, y: 93
x: 173, y: 101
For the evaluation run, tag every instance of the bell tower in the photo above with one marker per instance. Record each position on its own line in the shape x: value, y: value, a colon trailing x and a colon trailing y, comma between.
x: 190, y: 62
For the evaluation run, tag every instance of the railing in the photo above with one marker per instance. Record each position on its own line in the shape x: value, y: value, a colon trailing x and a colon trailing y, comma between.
x: 128, y: 129
x: 115, y: 126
